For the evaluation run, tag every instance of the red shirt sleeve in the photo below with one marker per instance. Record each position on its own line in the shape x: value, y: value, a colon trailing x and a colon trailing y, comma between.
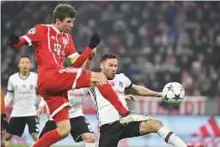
x: 34, y: 35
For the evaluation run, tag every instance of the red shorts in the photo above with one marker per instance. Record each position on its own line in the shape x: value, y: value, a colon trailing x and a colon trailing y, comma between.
x: 60, y: 81
x: 54, y: 89
x: 58, y: 107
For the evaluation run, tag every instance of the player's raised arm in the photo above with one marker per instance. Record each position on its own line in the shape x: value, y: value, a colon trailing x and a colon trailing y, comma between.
x: 143, y: 91
x: 87, y: 64
x: 33, y: 36
x: 76, y: 60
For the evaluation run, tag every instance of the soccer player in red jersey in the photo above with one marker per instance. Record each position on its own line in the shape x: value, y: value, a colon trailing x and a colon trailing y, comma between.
x: 53, y: 43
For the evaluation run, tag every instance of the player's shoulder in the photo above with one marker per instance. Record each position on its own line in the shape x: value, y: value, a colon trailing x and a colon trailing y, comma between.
x: 120, y: 75
x: 34, y: 74
x: 40, y: 27
x: 14, y: 76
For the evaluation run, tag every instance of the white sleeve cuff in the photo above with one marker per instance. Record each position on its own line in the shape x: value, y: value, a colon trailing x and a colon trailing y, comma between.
x: 28, y: 40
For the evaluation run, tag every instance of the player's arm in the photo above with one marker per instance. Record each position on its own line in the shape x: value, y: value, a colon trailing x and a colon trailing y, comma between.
x: 41, y: 105
x: 87, y: 64
x: 143, y: 91
x: 76, y: 60
x: 31, y: 37
x: 9, y: 97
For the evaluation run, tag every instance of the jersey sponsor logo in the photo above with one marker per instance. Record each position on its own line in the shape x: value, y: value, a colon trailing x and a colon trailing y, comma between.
x: 58, y: 50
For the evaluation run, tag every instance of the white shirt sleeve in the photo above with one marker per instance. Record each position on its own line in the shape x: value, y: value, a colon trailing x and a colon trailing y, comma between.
x: 9, y: 99
x: 127, y: 81
x: 10, y: 93
x: 10, y: 87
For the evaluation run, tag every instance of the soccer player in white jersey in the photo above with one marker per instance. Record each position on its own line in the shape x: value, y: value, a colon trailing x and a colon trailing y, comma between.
x: 81, y: 130
x: 22, y: 96
x: 111, y: 130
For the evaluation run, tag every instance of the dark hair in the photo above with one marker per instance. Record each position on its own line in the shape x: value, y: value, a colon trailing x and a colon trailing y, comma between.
x: 61, y: 11
x: 107, y: 56
x: 24, y: 56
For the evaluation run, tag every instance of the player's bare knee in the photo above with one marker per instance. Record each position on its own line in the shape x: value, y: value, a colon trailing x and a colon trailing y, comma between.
x: 63, y: 128
x: 88, y: 137
x: 155, y: 125
x: 8, y: 137
x: 150, y: 126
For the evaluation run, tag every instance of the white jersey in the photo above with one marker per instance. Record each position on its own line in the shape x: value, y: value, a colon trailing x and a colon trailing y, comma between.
x: 22, y: 91
x: 75, y: 99
x: 106, y: 112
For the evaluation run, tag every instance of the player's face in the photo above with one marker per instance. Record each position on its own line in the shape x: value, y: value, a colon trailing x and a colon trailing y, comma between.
x: 109, y: 67
x: 24, y: 65
x: 66, y: 25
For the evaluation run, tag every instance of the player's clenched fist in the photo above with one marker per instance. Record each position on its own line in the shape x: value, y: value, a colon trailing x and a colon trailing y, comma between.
x: 94, y: 41
x: 12, y: 40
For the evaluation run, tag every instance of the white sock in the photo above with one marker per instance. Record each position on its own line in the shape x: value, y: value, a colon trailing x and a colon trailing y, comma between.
x: 90, y: 144
x: 170, y: 137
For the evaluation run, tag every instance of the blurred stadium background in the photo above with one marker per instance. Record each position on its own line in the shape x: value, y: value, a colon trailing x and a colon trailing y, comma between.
x: 156, y: 42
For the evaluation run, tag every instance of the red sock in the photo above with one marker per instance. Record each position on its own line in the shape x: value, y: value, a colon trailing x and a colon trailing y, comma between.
x: 108, y: 93
x: 48, y: 139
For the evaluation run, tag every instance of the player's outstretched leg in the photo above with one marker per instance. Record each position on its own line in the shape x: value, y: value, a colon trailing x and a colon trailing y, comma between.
x: 89, y: 139
x: 62, y: 130
x: 100, y: 80
x: 155, y: 126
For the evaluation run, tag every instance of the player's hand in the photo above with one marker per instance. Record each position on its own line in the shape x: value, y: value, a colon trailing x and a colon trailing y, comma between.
x: 130, y: 97
x: 12, y: 40
x: 94, y: 41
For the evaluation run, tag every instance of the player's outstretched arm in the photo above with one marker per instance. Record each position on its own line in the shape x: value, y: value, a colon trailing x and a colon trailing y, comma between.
x: 94, y: 41
x: 143, y: 91
x: 87, y: 64
x: 16, y: 42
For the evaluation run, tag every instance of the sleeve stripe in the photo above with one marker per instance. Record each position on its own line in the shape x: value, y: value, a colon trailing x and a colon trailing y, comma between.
x: 27, y: 39
x: 129, y: 86
x: 74, y: 55
x: 11, y: 91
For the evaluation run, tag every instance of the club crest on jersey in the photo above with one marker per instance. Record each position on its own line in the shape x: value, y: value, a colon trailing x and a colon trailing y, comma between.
x: 31, y: 86
x: 121, y: 84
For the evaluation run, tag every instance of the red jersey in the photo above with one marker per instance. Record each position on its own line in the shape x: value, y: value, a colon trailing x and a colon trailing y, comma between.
x: 51, y: 48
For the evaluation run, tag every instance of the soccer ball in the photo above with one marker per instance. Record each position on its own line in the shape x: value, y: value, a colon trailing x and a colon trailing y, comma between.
x: 174, y: 93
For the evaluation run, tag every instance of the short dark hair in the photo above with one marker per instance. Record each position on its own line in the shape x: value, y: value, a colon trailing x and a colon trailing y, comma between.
x: 62, y: 11
x: 24, y: 56
x: 107, y: 56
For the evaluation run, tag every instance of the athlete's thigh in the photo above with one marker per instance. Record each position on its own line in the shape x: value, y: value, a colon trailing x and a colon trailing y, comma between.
x: 110, y: 135
x: 79, y: 125
x: 56, y: 104
x: 71, y: 78
x: 33, y: 124
x: 16, y: 126
x: 131, y: 129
